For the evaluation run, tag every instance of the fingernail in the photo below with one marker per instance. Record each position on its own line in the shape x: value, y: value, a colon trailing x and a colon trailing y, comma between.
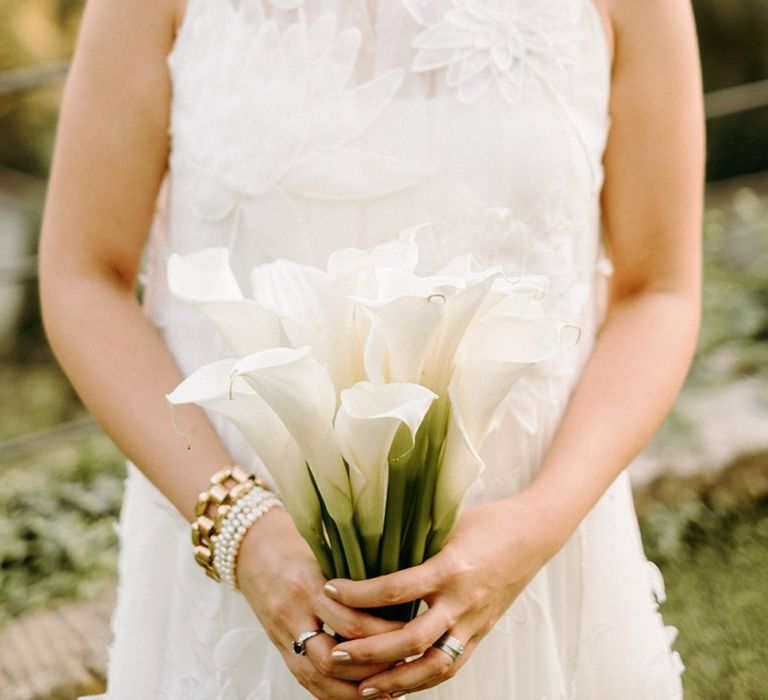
x: 371, y: 693
x: 340, y: 656
x: 399, y: 693
x: 331, y: 590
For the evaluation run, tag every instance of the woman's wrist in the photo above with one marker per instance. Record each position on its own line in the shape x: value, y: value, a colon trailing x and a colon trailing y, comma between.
x: 234, y: 500
x: 557, y: 510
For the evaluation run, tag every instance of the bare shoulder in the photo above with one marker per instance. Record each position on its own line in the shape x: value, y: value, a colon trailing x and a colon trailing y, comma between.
x: 112, y: 141
x: 654, y: 158
x: 638, y: 24
x: 146, y: 24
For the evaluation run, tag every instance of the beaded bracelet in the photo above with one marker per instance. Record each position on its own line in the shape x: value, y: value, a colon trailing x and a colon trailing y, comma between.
x: 221, y: 497
x: 234, y: 525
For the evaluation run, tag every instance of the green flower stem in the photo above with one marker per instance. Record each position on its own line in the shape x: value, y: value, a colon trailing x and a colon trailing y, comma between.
x: 389, y: 556
x: 352, y: 551
x: 371, y: 553
x: 436, y: 422
x: 337, y: 548
x: 334, y: 564
x: 422, y: 509
x: 413, y: 488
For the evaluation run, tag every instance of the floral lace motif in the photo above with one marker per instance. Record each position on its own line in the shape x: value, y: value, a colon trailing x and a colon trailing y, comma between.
x: 549, y: 239
x: 512, y: 44
x: 293, y: 128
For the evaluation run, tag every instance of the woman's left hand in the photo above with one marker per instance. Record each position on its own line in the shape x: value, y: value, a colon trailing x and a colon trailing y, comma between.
x: 493, y: 552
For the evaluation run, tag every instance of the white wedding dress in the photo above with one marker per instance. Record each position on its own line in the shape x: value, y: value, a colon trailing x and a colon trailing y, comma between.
x: 302, y: 126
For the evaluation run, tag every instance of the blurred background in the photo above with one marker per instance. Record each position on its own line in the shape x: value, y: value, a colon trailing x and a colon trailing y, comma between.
x: 701, y: 487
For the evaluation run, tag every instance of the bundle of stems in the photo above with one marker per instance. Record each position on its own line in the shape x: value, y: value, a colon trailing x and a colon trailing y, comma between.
x: 410, y: 535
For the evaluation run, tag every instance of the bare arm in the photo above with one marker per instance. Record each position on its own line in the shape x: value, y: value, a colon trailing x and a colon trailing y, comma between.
x: 110, y: 159
x: 108, y: 164
x: 652, y: 204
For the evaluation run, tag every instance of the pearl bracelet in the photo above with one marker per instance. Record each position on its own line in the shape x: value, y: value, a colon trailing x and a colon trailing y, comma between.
x: 241, y: 515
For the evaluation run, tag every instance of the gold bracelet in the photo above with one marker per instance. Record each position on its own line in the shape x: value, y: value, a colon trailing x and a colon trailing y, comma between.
x: 205, y: 528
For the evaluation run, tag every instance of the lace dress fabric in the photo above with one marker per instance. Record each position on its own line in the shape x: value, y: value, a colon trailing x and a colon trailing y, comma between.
x: 302, y: 126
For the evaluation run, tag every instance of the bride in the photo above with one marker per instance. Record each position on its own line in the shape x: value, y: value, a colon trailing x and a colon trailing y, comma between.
x: 531, y: 134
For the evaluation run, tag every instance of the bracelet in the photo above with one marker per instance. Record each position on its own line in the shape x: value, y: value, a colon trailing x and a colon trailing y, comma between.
x: 234, y: 525
x: 204, y: 528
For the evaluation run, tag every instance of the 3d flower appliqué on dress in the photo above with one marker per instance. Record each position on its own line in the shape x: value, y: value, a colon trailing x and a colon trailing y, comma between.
x: 513, y: 44
x: 294, y: 130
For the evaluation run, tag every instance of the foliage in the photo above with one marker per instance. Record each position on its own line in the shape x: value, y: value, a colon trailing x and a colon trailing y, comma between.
x: 735, y: 291
x: 57, y: 526
x: 713, y: 554
x: 35, y: 394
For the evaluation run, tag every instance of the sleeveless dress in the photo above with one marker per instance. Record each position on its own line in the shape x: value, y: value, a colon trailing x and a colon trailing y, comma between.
x: 302, y: 126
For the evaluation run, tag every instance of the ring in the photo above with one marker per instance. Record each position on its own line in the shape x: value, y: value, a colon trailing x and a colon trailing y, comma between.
x: 450, y: 645
x: 300, y: 642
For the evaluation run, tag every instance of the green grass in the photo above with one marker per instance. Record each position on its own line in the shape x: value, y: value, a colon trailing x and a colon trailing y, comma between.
x: 714, y: 557
x: 57, y: 518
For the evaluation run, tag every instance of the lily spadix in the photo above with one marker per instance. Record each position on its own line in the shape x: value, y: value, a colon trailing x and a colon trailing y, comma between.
x: 369, y: 418
x: 210, y: 388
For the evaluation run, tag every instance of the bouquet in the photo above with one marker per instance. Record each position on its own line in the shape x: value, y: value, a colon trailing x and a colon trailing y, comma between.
x: 366, y: 389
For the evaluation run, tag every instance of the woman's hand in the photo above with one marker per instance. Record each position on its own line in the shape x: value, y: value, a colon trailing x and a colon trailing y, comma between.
x: 492, y: 554
x: 279, y: 575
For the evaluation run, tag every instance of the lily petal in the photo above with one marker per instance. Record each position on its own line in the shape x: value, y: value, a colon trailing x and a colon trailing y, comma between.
x: 405, y: 329
x: 365, y: 425
x: 209, y: 388
x: 300, y: 391
x: 289, y: 290
x: 496, y: 352
x: 205, y: 279
x: 461, y: 307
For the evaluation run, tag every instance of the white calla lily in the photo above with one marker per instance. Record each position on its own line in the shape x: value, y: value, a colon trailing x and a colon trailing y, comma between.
x: 289, y: 289
x: 209, y: 388
x: 206, y: 280
x: 365, y: 426
x: 298, y: 389
x: 403, y: 329
x: 345, y: 329
x: 496, y: 351
x: 462, y: 305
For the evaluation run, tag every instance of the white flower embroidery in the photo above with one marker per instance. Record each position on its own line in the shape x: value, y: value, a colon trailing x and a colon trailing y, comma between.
x: 548, y: 239
x: 514, y: 44
x: 271, y: 113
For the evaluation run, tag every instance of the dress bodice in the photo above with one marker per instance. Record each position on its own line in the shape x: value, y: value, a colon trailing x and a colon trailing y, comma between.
x: 299, y: 126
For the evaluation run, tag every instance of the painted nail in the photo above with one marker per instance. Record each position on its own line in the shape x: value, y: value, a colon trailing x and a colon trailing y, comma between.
x: 371, y: 693
x: 331, y: 590
x: 340, y: 656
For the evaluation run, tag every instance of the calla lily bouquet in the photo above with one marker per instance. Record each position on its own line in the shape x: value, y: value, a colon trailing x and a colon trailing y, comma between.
x: 365, y: 389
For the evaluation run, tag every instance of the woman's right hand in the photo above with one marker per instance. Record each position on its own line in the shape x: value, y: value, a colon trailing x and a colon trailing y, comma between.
x: 283, y: 583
